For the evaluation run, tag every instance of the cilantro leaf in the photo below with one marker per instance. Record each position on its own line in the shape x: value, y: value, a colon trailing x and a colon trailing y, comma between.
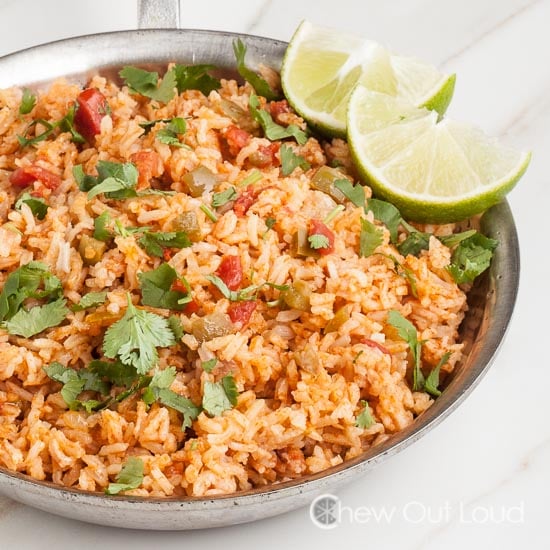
x: 145, y: 83
x: 471, y: 258
x: 176, y: 327
x: 370, y: 238
x: 290, y: 161
x: 66, y: 124
x: 28, y: 101
x: 354, y: 193
x: 386, y: 213
x: 148, y: 125
x: 364, y: 418
x: 156, y: 288
x: 456, y: 238
x: 115, y: 371
x: 219, y: 199
x: 135, y: 338
x: 317, y: 241
x: 130, y: 477
x: 35, y: 320
x: 209, y: 365
x: 432, y: 382
x: 243, y: 295
x: 406, y: 273
x: 272, y: 130
x: 38, y: 206
x: 415, y: 242
x: 101, y: 233
x: 257, y: 82
x: 407, y: 331
x: 169, y: 134
x: 155, y: 243
x: 195, y: 77
x: 50, y: 128
x: 116, y: 179
x: 220, y: 396
x: 92, y: 299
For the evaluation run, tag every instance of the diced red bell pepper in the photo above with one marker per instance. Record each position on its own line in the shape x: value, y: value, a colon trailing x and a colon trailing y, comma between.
x: 92, y: 107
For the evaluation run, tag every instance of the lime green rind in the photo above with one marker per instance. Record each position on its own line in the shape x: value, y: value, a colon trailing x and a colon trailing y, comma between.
x: 434, y: 211
x: 442, y: 99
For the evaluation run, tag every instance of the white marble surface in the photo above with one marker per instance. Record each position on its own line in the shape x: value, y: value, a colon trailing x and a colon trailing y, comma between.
x: 492, y: 454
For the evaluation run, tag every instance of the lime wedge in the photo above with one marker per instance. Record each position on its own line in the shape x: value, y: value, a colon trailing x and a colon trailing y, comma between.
x: 322, y: 66
x: 437, y: 172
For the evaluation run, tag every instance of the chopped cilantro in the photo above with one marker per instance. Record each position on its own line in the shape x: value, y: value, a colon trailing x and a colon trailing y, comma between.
x: 209, y: 365
x: 156, y: 288
x: 154, y: 243
x: 220, y: 396
x: 290, y: 161
x: 148, y: 125
x: 219, y: 199
x: 116, y: 179
x: 370, y: 238
x: 146, y: 83
x: 407, y: 331
x: 101, y: 233
x: 38, y: 206
x: 386, y: 213
x: 115, y: 371
x: 92, y: 299
x: 471, y: 257
x: 28, y: 101
x: 35, y: 320
x: 175, y: 325
x: 364, y: 418
x: 257, y: 82
x: 169, y: 135
x: 195, y: 77
x: 317, y: 241
x: 254, y: 177
x: 135, y: 338
x: 246, y: 294
x: 272, y: 130
x: 354, y: 193
x: 130, y: 477
x: 209, y: 214
x: 415, y: 242
x: 432, y: 382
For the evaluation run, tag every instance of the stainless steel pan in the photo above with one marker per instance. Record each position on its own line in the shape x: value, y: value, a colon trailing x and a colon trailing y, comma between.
x: 491, y: 301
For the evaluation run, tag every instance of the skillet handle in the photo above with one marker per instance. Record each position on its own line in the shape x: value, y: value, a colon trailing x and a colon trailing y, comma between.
x: 158, y: 14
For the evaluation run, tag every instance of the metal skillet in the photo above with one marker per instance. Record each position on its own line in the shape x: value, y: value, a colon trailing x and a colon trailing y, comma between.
x: 491, y: 300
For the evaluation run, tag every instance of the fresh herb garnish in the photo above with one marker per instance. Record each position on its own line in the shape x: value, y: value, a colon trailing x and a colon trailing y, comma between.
x: 154, y: 243
x: 92, y: 299
x: 407, y: 331
x: 159, y: 389
x: 386, y: 213
x: 38, y: 206
x: 354, y: 193
x: 254, y: 177
x: 290, y: 161
x: 219, y: 199
x: 272, y: 130
x: 135, y: 338
x: 471, y: 258
x: 30, y: 322
x: 156, y: 289
x: 415, y: 242
x: 146, y: 83
x: 195, y: 77
x: 209, y: 214
x: 370, y: 238
x: 130, y: 477
x: 364, y: 418
x: 169, y: 134
x: 220, y: 396
x: 256, y: 81
x: 148, y: 125
x: 28, y: 101
x: 117, y: 180
x: 101, y: 233
x: 177, y: 328
x: 317, y: 241
x: 432, y: 382
x: 208, y: 366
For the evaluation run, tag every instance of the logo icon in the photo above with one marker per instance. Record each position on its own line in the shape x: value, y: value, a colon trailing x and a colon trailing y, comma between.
x: 323, y: 511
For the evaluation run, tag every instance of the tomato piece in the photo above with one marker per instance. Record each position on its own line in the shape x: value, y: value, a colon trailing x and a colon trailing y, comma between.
x: 317, y: 227
x: 92, y: 107
x: 244, y: 201
x: 240, y: 312
x: 191, y: 307
x: 277, y: 108
x: 231, y: 272
x: 23, y: 177
x: 376, y: 345
x: 236, y: 139
x: 149, y: 165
